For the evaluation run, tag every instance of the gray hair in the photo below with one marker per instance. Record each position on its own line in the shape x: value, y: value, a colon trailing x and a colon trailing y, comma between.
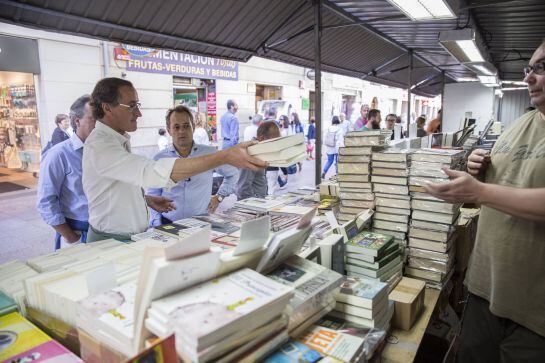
x: 77, y: 110
x: 257, y: 119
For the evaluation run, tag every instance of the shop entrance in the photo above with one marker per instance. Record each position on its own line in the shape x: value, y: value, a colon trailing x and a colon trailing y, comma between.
x: 19, y: 131
x: 199, y: 95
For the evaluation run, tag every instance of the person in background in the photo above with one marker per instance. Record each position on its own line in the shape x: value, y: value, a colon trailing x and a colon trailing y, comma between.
x: 285, y: 129
x: 373, y: 122
x: 255, y: 183
x: 391, y: 120
x: 270, y: 115
x: 504, y: 319
x: 297, y: 129
x: 311, y: 138
x: 332, y: 141
x: 250, y: 132
x: 229, y: 125
x: 435, y: 125
x: 61, y: 131
x: 190, y: 196
x: 200, y: 135
x: 420, y: 122
x: 362, y: 121
x: 61, y: 201
x: 346, y: 125
x: 162, y: 142
x: 114, y: 178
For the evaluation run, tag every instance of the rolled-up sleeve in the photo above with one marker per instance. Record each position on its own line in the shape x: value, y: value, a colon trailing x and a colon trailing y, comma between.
x: 133, y: 169
x: 230, y: 179
x: 52, y: 176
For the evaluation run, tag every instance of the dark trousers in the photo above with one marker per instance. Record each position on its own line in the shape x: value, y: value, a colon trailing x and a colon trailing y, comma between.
x: 486, y: 337
x: 81, y: 226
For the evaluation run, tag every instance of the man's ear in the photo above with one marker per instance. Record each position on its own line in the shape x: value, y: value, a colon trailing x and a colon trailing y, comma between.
x: 106, y: 107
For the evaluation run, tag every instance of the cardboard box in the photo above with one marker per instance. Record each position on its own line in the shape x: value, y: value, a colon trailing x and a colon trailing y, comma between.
x: 93, y: 351
x: 408, y: 297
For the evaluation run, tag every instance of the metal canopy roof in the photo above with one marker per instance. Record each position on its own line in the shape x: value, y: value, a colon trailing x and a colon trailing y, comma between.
x: 367, y: 39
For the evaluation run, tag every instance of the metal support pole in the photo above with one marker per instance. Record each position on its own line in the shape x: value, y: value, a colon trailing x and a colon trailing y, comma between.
x: 318, y: 86
x: 409, y: 90
x: 443, y: 82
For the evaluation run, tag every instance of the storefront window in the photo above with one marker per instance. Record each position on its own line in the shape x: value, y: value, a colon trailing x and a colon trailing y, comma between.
x: 19, y: 131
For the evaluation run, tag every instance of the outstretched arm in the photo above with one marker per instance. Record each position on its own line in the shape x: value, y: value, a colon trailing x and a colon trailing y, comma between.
x: 526, y: 203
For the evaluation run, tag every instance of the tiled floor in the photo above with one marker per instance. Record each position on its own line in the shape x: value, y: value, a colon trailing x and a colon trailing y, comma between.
x: 24, y: 235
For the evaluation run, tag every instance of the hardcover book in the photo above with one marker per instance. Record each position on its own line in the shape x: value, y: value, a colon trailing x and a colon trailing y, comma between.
x: 369, y: 243
x: 363, y: 292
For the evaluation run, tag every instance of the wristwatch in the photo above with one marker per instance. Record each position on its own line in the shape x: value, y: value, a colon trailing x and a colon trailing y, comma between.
x: 220, y: 197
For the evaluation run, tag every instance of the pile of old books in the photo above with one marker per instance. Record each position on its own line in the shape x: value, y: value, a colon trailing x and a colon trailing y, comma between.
x: 374, y: 256
x: 365, y: 302
x: 432, y: 231
x: 14, y: 273
x: 234, y: 312
x: 282, y: 151
x: 353, y: 172
x: 389, y: 177
x: 315, y: 288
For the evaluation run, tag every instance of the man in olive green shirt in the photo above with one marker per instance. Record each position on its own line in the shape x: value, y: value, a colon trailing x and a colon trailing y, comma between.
x: 505, y: 313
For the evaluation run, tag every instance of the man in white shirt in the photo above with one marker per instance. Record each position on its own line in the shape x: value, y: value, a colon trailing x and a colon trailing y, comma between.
x: 114, y: 179
x: 250, y: 132
x: 346, y: 125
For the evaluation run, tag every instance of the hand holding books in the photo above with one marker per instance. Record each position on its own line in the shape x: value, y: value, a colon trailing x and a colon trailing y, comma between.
x: 462, y: 188
x: 239, y: 157
x: 477, y: 162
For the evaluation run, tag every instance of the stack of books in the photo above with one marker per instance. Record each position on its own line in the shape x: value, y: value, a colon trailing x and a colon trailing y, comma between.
x: 365, y: 302
x: 14, y: 273
x: 315, y: 288
x: 338, y: 341
x: 282, y: 151
x: 57, y: 292
x: 389, y: 177
x: 374, y: 256
x: 353, y: 172
x: 229, y: 315
x: 432, y: 230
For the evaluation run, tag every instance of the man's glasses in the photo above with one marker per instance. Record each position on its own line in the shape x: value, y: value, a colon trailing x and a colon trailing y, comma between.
x: 538, y: 68
x: 132, y: 108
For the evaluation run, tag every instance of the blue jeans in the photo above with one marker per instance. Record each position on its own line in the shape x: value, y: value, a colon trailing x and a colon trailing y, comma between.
x: 81, y: 226
x: 330, y: 159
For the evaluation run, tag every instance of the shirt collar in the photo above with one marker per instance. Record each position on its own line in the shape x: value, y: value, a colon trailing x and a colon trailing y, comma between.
x: 119, y: 137
x: 76, y: 142
x: 171, y: 149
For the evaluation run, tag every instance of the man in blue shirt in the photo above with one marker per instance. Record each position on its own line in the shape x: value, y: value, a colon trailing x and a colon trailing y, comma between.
x: 190, y: 196
x: 229, y: 125
x: 61, y: 201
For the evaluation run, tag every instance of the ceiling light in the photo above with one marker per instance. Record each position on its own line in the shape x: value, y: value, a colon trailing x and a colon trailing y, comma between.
x: 424, y: 9
x: 515, y: 83
x: 461, y: 44
x: 514, y: 88
x: 466, y: 79
x: 488, y: 79
x: 483, y: 68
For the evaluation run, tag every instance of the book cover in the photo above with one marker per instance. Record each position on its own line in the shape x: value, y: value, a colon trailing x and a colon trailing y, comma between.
x: 354, y: 158
x: 390, y: 165
x: 353, y: 168
x: 332, y: 343
x: 22, y: 341
x: 283, y: 154
x: 388, y: 180
x: 7, y: 305
x: 259, y: 204
x: 369, y: 243
x: 391, y: 155
x: 171, y: 229
x: 205, y: 309
x: 357, y: 150
x: 294, y: 351
x: 361, y: 291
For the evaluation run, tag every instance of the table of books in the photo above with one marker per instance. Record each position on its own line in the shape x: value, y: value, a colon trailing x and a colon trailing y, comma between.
x: 402, y: 345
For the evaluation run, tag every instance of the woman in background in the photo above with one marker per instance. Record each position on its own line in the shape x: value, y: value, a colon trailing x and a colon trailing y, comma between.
x: 200, y: 136
x: 332, y: 141
x: 285, y: 129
